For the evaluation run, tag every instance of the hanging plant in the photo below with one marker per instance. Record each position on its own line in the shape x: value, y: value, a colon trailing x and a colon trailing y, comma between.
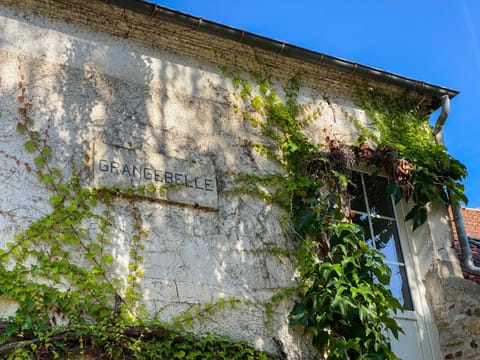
x: 402, y: 144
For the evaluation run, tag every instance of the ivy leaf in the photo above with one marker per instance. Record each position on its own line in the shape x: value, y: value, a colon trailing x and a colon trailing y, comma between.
x: 257, y: 102
x: 418, y: 215
x: 395, y: 190
x: 47, y: 179
x: 56, y: 199
x: 360, y: 140
x: 107, y: 259
x: 47, y: 151
x: 21, y: 128
x: 39, y: 162
x: 298, y: 315
x: 30, y: 146
x: 96, y: 270
x: 236, y: 83
x: 179, y: 354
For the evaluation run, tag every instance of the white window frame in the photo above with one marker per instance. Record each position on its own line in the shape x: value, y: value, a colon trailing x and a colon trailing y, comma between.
x: 426, y: 322
x: 422, y: 314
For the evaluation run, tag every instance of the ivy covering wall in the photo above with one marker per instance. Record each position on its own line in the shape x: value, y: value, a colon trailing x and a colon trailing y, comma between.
x: 69, y: 301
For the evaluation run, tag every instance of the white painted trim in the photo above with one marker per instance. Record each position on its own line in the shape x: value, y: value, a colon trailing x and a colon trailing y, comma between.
x: 431, y: 342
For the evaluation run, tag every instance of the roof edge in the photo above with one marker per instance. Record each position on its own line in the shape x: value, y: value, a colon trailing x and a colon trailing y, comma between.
x: 282, y: 48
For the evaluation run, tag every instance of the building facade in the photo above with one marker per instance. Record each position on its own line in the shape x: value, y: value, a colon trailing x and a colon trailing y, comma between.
x: 116, y: 85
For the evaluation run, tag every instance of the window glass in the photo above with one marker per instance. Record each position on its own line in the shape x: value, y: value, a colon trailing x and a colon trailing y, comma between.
x: 356, y: 193
x: 399, y: 286
x: 363, y: 221
x: 373, y: 211
x: 386, y: 239
x: 378, y: 200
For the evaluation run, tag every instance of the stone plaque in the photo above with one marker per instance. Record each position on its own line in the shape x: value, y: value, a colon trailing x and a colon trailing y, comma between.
x: 155, y: 175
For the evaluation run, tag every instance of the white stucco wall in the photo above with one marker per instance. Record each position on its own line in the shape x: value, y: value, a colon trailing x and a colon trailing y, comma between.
x: 160, y: 97
x: 86, y: 85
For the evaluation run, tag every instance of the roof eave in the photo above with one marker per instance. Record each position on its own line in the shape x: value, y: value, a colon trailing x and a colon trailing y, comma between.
x: 285, y: 49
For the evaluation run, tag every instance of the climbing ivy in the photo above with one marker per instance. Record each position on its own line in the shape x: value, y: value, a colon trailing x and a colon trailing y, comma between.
x: 401, y: 142
x: 59, y: 271
x: 344, y: 302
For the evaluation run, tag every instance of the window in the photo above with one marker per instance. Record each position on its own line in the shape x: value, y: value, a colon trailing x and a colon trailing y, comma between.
x: 373, y: 210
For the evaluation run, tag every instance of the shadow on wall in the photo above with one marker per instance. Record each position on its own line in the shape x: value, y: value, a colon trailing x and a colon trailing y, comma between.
x: 132, y: 96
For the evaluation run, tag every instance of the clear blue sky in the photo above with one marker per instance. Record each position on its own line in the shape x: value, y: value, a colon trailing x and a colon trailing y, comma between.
x: 436, y: 41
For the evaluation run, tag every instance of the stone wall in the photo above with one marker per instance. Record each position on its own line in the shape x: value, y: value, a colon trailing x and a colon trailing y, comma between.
x: 455, y: 301
x: 456, y: 306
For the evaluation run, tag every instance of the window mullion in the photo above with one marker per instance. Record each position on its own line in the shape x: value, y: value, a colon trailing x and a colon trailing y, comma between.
x: 367, y: 206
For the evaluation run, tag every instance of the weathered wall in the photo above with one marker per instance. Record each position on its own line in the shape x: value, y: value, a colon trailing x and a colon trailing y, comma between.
x: 142, y: 84
x: 454, y: 301
x: 456, y: 306
x: 86, y: 86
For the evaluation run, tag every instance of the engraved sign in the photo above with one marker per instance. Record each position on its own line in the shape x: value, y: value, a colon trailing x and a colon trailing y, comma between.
x: 158, y: 176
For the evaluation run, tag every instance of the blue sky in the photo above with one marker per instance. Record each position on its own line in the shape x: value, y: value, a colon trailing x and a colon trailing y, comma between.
x: 436, y: 41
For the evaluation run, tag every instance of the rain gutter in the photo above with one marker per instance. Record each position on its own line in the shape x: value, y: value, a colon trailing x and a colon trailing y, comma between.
x: 467, y: 257
x: 285, y: 49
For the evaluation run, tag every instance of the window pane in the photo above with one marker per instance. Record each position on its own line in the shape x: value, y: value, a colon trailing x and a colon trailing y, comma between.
x: 356, y: 193
x: 362, y: 220
x: 387, y: 240
x: 399, y: 286
x: 378, y: 200
x: 373, y: 211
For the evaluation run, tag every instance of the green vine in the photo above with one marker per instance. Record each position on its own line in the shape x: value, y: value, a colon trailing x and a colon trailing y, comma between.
x: 345, y: 305
x: 402, y: 143
x: 59, y: 271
